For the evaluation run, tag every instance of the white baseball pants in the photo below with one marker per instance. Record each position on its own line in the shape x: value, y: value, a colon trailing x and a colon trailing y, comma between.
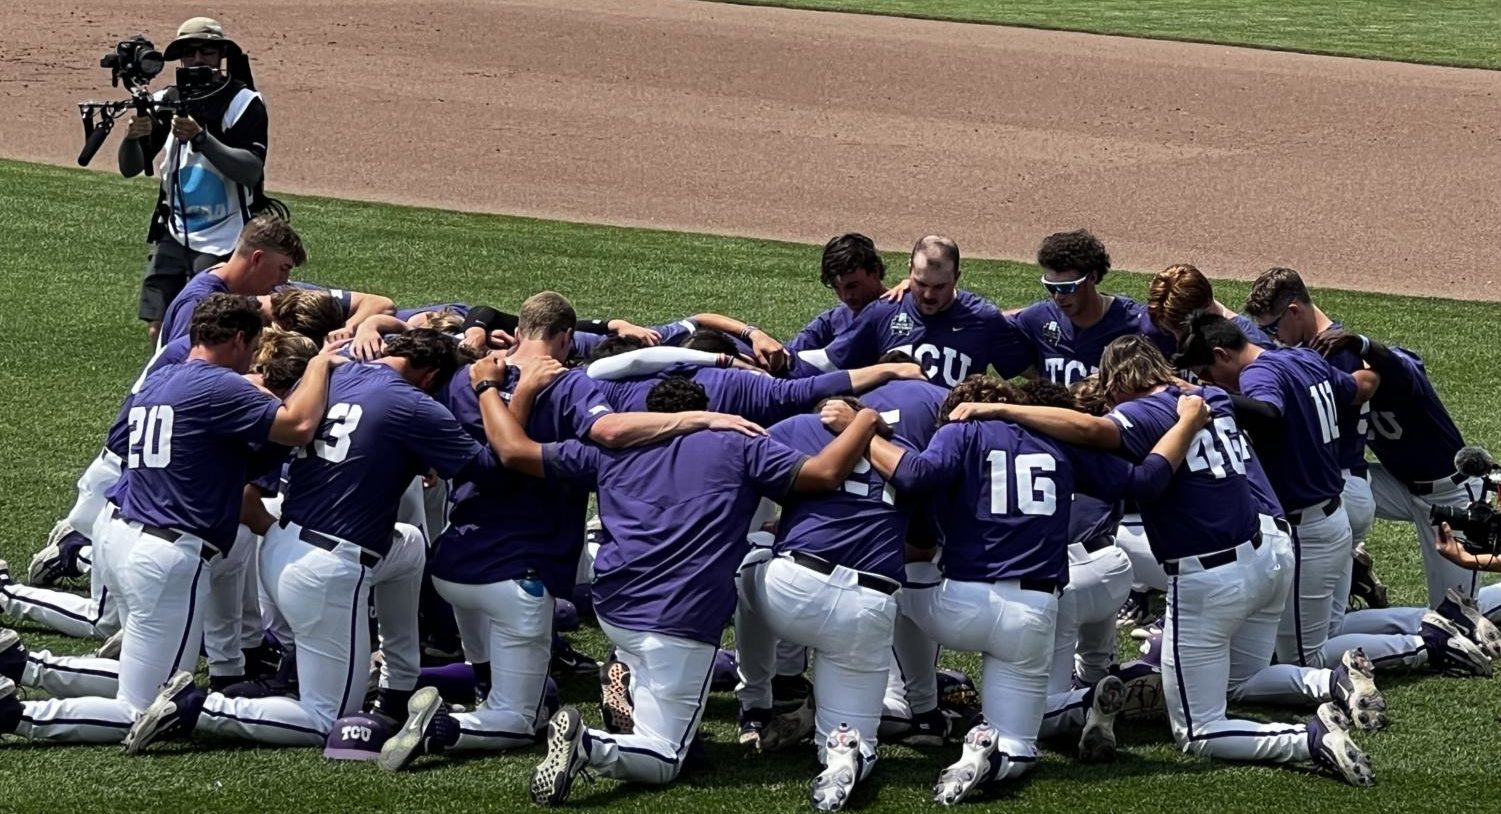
x: 517, y: 642
x: 1394, y: 501
x: 1146, y: 571
x: 1321, y: 572
x: 1085, y: 642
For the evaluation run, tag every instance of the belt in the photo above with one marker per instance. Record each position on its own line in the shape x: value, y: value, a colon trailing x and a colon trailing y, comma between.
x: 205, y: 550
x: 1208, y: 561
x: 1428, y: 487
x: 1350, y: 473
x: 1099, y: 542
x: 1042, y: 586
x: 875, y: 582
x: 1282, y: 525
x: 1318, y: 511
x: 318, y: 539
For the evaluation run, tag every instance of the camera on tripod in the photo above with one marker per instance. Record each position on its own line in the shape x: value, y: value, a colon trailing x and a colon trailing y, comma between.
x: 134, y: 63
x: 1478, y: 524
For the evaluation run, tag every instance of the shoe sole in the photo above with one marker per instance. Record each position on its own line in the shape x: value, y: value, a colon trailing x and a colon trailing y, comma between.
x: 616, y: 701
x: 1485, y: 633
x: 1374, y: 592
x: 42, y: 562
x: 111, y: 647
x: 553, y: 777
x: 788, y: 729
x: 1365, y: 705
x: 832, y: 787
x: 1352, y: 765
x: 149, y: 726
x: 958, y: 780
x: 401, y: 749
x: 1097, y: 741
x: 1144, y: 699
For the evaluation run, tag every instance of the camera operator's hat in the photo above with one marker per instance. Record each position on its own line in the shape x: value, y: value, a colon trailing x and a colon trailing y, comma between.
x: 199, y: 29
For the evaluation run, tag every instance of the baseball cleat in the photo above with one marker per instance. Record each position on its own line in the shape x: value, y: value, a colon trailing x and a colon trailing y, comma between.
x: 553, y: 778
x: 788, y: 728
x: 1462, y: 610
x: 1365, y: 586
x: 1148, y: 630
x: 1144, y: 698
x: 1353, y: 687
x: 929, y: 729
x: 428, y: 730
x: 173, y: 713
x: 568, y: 661
x: 832, y: 787
x: 110, y: 648
x: 753, y: 723
x: 11, y: 708
x: 1097, y: 741
x: 5, y: 578
x: 1331, y: 747
x: 615, y: 698
x: 1449, y: 651
x: 1135, y: 611
x: 47, y: 565
x: 12, y: 655
x: 972, y: 768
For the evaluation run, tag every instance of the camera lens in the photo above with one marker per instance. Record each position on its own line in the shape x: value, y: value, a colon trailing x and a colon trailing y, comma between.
x: 150, y: 62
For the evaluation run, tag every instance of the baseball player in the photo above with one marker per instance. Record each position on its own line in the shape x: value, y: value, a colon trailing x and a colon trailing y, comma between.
x: 1005, y: 560
x: 190, y: 427
x: 853, y: 268
x: 951, y: 333
x: 333, y: 542
x: 677, y: 513
x: 1225, y: 599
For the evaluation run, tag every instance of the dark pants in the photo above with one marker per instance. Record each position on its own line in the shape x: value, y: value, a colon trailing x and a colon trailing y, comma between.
x: 167, y: 270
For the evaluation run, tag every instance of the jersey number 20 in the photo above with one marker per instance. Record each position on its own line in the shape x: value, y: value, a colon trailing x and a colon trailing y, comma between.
x: 150, y: 436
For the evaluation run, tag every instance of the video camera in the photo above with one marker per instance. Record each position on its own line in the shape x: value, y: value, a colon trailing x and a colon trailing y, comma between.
x: 134, y: 63
x: 1478, y: 524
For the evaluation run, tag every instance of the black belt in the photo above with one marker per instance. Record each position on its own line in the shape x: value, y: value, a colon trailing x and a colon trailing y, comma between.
x: 1099, y: 542
x: 1282, y: 525
x: 368, y: 558
x: 875, y: 582
x: 205, y: 550
x: 1042, y: 586
x: 1429, y: 487
x: 1208, y: 561
x: 1329, y: 507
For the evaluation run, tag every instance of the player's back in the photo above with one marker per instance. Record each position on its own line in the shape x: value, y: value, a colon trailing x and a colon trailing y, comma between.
x: 909, y: 407
x: 1412, y: 433
x: 1304, y: 467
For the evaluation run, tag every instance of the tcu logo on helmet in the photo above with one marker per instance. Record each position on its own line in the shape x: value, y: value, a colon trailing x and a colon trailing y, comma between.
x: 953, y: 365
x: 356, y: 733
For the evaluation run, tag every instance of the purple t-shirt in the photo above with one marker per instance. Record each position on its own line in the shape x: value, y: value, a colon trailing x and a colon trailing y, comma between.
x: 762, y: 399
x: 861, y: 526
x: 952, y: 345
x: 1304, y: 466
x: 179, y: 316
x: 507, y: 524
x: 1168, y: 344
x: 1210, y: 505
x: 1354, y: 420
x: 1091, y: 518
x: 378, y: 434
x: 172, y: 353
x: 1065, y: 353
x: 909, y: 407
x: 676, y: 515
x: 673, y: 333
x: 191, y: 427
x: 823, y: 329
x: 1003, y: 496
x: 1411, y: 432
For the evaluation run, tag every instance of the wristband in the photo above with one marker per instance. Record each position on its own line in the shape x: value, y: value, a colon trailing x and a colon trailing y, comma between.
x: 197, y: 140
x: 723, y: 360
x: 488, y: 384
x: 745, y: 334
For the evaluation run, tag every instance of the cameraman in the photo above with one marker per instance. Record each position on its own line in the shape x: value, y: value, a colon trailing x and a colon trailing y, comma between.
x: 1454, y: 551
x: 214, y: 155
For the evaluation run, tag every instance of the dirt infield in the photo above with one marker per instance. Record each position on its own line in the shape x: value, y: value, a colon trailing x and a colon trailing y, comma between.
x: 798, y: 125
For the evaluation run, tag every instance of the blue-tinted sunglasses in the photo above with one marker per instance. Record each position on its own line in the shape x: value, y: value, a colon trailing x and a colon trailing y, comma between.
x: 1063, y: 288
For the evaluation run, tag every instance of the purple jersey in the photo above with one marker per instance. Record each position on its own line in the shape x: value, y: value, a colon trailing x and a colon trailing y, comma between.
x: 344, y: 298
x: 822, y: 330
x: 172, y: 353
x: 507, y: 524
x: 378, y: 434
x: 673, y: 333
x: 1303, y: 465
x: 1091, y: 518
x: 952, y: 345
x: 191, y: 430
x: 459, y: 308
x: 1065, y: 353
x: 910, y: 408
x: 676, y: 515
x: 1354, y: 420
x: 860, y: 526
x: 762, y: 399
x: 1003, y: 494
x: 1168, y: 344
x: 1210, y: 505
x: 1411, y: 432
x: 179, y: 316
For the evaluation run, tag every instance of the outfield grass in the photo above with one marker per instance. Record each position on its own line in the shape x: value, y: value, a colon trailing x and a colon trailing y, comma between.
x: 70, y: 256
x: 1445, y: 32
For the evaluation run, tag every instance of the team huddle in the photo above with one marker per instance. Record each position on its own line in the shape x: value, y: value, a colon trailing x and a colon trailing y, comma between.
x: 312, y: 490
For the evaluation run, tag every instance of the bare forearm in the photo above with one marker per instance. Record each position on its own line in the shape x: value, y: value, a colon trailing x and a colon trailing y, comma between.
x: 299, y: 416
x: 367, y: 306
x: 1070, y: 426
x: 1173, y: 445
x: 517, y: 452
x: 829, y: 468
x: 620, y: 430
x: 885, y: 456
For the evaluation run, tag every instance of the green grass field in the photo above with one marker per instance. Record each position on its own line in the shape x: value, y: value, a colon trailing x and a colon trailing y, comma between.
x: 70, y: 258
x: 1445, y: 32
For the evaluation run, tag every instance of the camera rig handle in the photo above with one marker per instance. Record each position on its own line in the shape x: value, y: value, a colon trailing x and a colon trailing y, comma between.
x: 99, y: 120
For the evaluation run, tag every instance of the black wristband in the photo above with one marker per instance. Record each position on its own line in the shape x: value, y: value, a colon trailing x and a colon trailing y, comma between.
x: 488, y: 384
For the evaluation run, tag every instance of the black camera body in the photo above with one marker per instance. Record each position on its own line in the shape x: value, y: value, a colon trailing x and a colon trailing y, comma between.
x: 1479, y: 523
x: 134, y: 61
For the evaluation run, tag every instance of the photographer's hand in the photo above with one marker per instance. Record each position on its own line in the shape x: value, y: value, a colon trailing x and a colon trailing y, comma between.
x: 139, y: 127
x: 1452, y: 550
x: 185, y: 128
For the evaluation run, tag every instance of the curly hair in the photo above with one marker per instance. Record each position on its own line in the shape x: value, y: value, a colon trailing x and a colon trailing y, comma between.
x: 1274, y: 289
x: 982, y: 389
x: 307, y: 311
x: 1045, y: 393
x: 616, y: 345
x: 427, y: 349
x: 849, y: 253
x: 1174, y: 293
x: 282, y: 357
x: 218, y: 317
x: 1076, y: 251
x: 1090, y: 395
x: 711, y: 341
x: 445, y: 320
x: 677, y: 394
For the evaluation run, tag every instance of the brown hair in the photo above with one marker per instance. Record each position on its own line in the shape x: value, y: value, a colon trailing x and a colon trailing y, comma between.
x: 1174, y: 293
x: 218, y: 317
x: 544, y: 316
x: 982, y: 389
x: 310, y: 312
x: 1274, y: 290
x: 282, y: 357
x: 268, y: 233
x: 944, y: 248
x: 1133, y: 364
x: 445, y: 320
x: 1090, y: 396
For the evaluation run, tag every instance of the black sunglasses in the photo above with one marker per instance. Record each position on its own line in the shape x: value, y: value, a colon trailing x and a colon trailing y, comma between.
x: 191, y: 49
x: 1270, y: 329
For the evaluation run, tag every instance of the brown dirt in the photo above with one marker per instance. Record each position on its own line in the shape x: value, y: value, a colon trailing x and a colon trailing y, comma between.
x: 798, y: 125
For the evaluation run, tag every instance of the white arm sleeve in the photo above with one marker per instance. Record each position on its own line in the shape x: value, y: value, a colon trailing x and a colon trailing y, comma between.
x: 819, y: 359
x: 647, y: 361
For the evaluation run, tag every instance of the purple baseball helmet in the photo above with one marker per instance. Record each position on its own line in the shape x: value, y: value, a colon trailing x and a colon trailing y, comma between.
x: 358, y: 737
x: 726, y: 672
x: 565, y: 616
